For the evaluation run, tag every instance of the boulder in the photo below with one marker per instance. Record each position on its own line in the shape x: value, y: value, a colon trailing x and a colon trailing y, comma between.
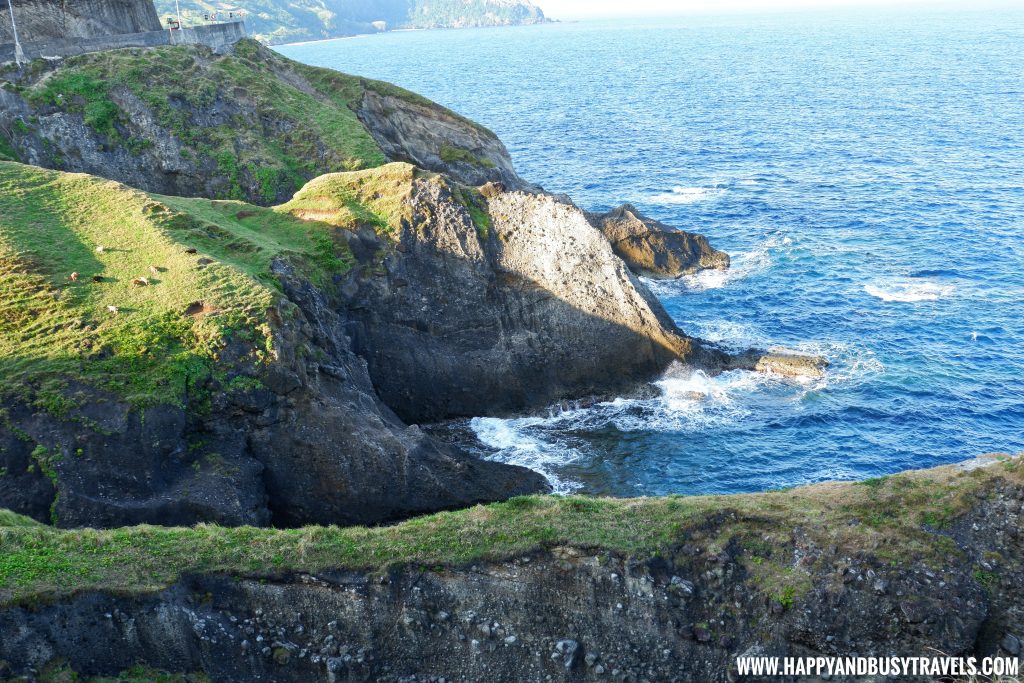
x: 653, y: 249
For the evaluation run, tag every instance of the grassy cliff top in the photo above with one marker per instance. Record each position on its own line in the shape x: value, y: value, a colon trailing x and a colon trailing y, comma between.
x: 257, y: 124
x: 99, y: 286
x: 903, y: 518
x: 144, y: 341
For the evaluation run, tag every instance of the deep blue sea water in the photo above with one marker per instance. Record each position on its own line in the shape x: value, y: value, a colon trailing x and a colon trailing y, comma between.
x: 866, y: 172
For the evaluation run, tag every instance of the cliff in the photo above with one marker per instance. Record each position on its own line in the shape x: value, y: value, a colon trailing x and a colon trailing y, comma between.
x: 187, y: 359
x: 247, y: 125
x: 49, y: 19
x: 176, y: 360
x: 569, y: 589
x: 275, y: 21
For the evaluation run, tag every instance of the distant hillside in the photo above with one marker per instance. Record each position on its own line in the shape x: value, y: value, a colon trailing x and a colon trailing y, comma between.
x: 282, y: 21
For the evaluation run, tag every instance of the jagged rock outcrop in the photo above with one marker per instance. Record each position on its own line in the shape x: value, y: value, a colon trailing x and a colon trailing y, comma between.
x: 654, y: 249
x: 684, y: 613
x: 49, y: 19
x: 501, y: 303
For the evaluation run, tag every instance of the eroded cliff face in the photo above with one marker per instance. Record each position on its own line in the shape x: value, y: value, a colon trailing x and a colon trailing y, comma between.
x: 306, y: 441
x: 571, y: 613
x: 503, y: 301
x: 426, y: 136
x: 48, y: 19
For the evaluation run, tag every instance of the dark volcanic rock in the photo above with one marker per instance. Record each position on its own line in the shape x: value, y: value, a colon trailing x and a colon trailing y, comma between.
x: 654, y: 249
x: 314, y: 445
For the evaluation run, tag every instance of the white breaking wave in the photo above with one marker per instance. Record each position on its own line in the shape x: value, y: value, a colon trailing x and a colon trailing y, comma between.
x: 516, y: 445
x: 688, y: 195
x: 743, y: 265
x: 690, y: 402
x: 909, y: 291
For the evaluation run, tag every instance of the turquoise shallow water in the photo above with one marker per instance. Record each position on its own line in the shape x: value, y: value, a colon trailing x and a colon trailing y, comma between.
x: 865, y: 171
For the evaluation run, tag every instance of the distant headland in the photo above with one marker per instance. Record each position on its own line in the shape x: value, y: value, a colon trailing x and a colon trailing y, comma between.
x: 278, y: 21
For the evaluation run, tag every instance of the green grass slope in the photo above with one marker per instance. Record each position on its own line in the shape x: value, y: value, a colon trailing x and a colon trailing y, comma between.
x: 255, y: 124
x: 315, y: 129
x: 145, y: 343
x: 898, y: 519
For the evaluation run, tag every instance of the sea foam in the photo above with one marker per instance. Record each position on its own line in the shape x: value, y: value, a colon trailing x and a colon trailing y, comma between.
x: 908, y: 291
x: 688, y: 195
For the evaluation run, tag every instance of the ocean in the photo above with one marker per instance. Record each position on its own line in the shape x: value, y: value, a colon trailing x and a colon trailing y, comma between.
x: 864, y: 170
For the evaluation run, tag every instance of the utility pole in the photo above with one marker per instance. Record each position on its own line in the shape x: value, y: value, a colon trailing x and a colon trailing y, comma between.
x: 177, y: 7
x: 19, y: 55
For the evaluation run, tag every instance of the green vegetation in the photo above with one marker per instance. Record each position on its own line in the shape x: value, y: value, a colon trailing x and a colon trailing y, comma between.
x: 7, y: 152
x: 45, y: 561
x: 471, y: 198
x: 147, y: 341
x: 453, y: 155
x: 378, y: 197
x: 315, y: 129
x: 9, y: 519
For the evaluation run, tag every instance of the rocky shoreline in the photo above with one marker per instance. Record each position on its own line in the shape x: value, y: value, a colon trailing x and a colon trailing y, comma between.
x: 314, y: 264
x: 465, y: 291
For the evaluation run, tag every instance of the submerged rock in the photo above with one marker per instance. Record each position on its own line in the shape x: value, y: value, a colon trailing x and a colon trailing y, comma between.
x: 653, y: 249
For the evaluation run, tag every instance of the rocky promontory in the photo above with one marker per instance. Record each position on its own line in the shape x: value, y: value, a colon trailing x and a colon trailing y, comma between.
x: 654, y: 249
x: 248, y: 125
x: 252, y: 360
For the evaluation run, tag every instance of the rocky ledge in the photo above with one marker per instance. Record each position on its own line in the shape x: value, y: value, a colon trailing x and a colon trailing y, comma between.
x: 653, y: 249
x: 539, y: 589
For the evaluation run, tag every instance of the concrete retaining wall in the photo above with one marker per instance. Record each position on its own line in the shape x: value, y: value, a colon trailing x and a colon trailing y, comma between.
x: 214, y: 36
